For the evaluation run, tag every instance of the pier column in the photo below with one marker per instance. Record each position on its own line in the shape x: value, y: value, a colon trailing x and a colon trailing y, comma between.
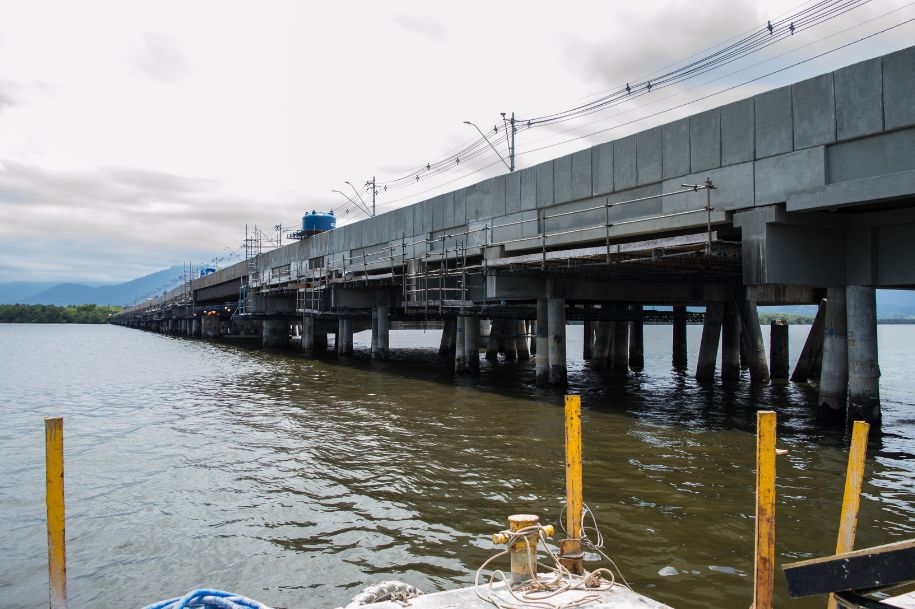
x: 730, y: 343
x: 834, y: 375
x: 863, y: 367
x: 210, y: 325
x: 636, y: 341
x: 603, y: 339
x: 492, y: 341
x: 679, y: 337
x: 308, y: 334
x: 507, y: 344
x: 195, y: 326
x: 321, y: 341
x: 521, y: 340
x: 778, y: 350
x: 556, y: 313
x: 446, y: 347
x: 383, y: 324
x: 587, y: 348
x: 472, y: 344
x: 708, y: 348
x: 275, y: 333
x: 460, y: 359
x: 543, y: 342
x: 344, y: 336
x: 751, y: 333
x: 531, y: 328
x: 620, y: 354
x: 811, y: 358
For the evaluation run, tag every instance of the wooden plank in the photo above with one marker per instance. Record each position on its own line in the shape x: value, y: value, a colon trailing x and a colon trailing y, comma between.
x: 875, y: 567
x: 54, y: 498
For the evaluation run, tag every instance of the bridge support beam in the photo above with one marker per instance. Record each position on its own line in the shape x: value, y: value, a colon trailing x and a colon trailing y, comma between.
x: 472, y: 344
x: 308, y: 335
x: 730, y: 343
x: 492, y: 341
x: 620, y: 355
x: 603, y: 339
x: 344, y: 336
x: 679, y: 337
x: 751, y: 333
x: 834, y: 375
x: 446, y: 346
x: 708, y: 347
x: 636, y: 342
x: 863, y: 367
x: 381, y: 326
x: 811, y: 358
x: 587, y: 349
x: 521, y: 347
x: 460, y: 357
x: 543, y: 342
x: 507, y: 340
x: 556, y: 313
x: 778, y: 350
x: 275, y: 333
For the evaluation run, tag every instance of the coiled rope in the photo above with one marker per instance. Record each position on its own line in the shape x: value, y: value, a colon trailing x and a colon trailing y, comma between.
x: 209, y: 599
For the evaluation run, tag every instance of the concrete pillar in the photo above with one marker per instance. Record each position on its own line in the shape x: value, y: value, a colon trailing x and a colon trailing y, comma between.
x: 543, y: 342
x: 679, y: 338
x: 751, y: 334
x: 492, y: 341
x: 384, y: 332
x: 195, y: 326
x: 708, y: 347
x: 308, y: 334
x: 321, y: 341
x: 620, y: 351
x: 521, y: 340
x: 531, y: 327
x: 587, y: 349
x: 460, y: 359
x: 811, y: 358
x: 210, y: 325
x: 834, y: 375
x: 507, y: 345
x: 344, y: 336
x: 636, y: 342
x: 778, y: 350
x: 603, y: 339
x: 472, y: 344
x: 275, y: 333
x: 863, y: 366
x: 730, y: 343
x: 556, y: 314
x: 446, y: 347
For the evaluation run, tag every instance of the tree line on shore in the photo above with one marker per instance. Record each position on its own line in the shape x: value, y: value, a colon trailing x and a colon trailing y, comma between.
x: 51, y: 314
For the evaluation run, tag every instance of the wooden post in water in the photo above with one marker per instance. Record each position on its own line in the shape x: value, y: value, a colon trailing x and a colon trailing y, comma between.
x: 571, y: 551
x: 764, y: 562
x: 851, y: 501
x: 54, y: 478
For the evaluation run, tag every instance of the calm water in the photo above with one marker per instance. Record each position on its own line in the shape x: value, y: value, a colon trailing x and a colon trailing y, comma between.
x: 297, y: 482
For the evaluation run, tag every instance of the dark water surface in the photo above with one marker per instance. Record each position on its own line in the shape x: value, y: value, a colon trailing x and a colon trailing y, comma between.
x: 297, y: 482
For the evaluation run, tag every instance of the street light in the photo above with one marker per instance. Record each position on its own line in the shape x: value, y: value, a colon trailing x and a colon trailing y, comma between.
x: 510, y: 168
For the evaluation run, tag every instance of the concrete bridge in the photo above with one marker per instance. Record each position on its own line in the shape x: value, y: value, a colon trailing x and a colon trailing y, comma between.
x: 801, y: 195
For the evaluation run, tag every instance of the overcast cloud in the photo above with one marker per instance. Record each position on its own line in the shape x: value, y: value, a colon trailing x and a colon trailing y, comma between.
x: 137, y: 135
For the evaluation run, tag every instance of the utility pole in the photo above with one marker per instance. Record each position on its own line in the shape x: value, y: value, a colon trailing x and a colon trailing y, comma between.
x: 374, y: 192
x: 511, y: 140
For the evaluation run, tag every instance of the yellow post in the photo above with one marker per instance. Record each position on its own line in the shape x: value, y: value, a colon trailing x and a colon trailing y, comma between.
x: 571, y: 550
x: 57, y: 553
x: 851, y: 501
x: 764, y: 564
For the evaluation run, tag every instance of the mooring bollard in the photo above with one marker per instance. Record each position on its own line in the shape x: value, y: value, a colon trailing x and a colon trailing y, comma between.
x: 54, y: 498
x: 523, y: 551
x: 764, y: 563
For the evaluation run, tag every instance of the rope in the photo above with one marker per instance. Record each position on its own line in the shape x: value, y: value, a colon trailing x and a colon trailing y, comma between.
x: 209, y: 599
x: 537, y: 591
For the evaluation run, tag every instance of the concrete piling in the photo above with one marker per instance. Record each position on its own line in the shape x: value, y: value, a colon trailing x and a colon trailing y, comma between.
x: 778, y: 350
x: 730, y: 343
x: 521, y: 340
x: 446, y: 346
x: 556, y: 312
x: 383, y: 327
x: 863, y: 366
x: 195, y: 327
x: 603, y: 339
x: 492, y: 342
x: 543, y: 342
x: 587, y: 349
x: 811, y: 358
x: 620, y: 351
x: 460, y: 359
x: 751, y: 334
x: 275, y: 333
x: 507, y: 344
x: 472, y: 344
x: 679, y: 337
x: 344, y: 336
x: 708, y: 347
x: 531, y: 329
x: 636, y: 342
x: 308, y: 335
x: 834, y: 374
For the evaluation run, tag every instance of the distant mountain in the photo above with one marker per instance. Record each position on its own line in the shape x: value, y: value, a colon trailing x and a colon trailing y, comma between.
x: 16, y: 292
x: 117, y: 294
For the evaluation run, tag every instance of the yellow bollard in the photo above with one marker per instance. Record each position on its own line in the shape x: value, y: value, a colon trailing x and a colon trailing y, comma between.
x: 523, y: 553
x: 57, y: 553
x: 571, y: 552
x: 764, y: 563
x: 851, y: 501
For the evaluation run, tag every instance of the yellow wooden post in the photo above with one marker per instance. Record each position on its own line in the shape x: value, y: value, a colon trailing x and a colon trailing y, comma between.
x: 57, y: 553
x: 851, y: 501
x: 571, y: 550
x: 764, y: 564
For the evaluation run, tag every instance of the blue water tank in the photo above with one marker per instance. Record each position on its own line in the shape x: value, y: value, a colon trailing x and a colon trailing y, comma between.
x: 315, y: 222
x: 206, y: 270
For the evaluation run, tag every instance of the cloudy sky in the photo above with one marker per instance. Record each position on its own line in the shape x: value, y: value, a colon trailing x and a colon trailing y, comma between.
x: 138, y: 135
